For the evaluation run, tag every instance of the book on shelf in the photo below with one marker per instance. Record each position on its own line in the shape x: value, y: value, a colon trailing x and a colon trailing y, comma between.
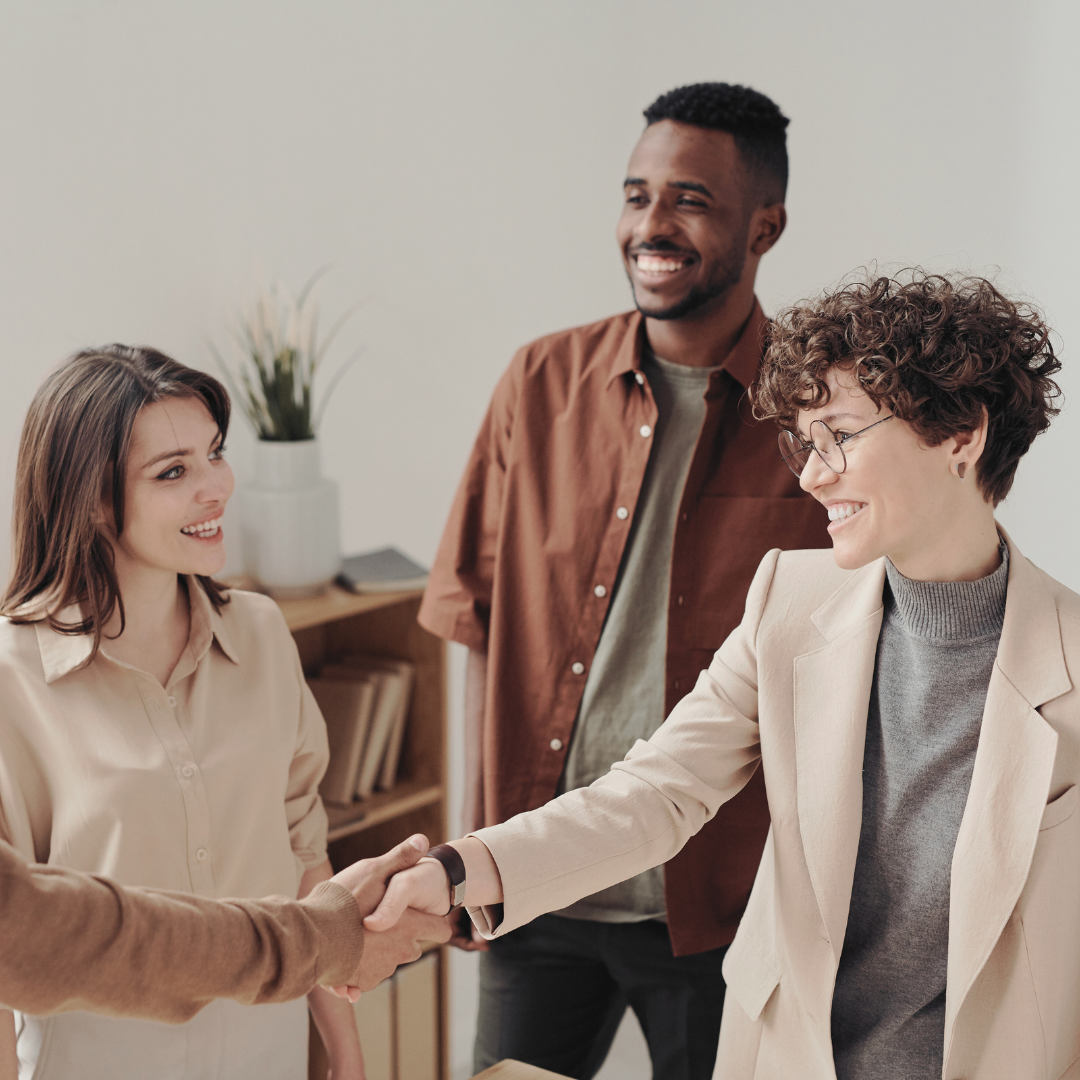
x: 385, y: 570
x: 347, y: 706
x: 393, y: 682
x: 398, y: 1023
x: 416, y: 994
x: 374, y: 1013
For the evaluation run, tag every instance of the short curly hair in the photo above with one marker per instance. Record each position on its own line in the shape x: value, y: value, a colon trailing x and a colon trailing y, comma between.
x: 934, y: 349
x: 756, y: 122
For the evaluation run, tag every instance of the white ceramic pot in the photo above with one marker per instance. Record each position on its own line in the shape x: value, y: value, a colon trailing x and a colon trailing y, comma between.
x: 289, y: 521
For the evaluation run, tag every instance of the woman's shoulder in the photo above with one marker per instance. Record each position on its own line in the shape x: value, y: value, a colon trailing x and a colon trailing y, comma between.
x: 806, y: 592
x: 246, y: 604
x: 811, y: 574
x: 254, y: 621
x: 804, y: 557
x: 1065, y: 599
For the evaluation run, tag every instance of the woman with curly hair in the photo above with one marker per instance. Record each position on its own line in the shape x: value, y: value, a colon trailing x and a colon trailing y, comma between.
x: 911, y: 700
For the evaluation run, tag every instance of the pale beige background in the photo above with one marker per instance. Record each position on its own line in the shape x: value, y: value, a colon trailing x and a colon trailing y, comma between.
x: 459, y: 163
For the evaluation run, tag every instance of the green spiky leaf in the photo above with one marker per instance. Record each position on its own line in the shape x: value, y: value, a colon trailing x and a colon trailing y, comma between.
x: 282, y: 352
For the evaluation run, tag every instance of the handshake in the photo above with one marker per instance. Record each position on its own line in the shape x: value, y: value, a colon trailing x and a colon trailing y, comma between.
x: 404, y: 903
x: 249, y: 950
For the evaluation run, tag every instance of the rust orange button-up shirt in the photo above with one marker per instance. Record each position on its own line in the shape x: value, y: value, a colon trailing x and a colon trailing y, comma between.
x: 540, y: 522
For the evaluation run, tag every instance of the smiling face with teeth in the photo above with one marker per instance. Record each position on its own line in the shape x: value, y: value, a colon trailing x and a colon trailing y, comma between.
x: 899, y: 497
x: 688, y: 231
x: 176, y: 486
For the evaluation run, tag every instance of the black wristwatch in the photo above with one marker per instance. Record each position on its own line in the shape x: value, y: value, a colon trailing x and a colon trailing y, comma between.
x: 454, y: 866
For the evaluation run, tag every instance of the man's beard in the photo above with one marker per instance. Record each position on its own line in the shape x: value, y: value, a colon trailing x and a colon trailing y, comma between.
x: 727, y: 275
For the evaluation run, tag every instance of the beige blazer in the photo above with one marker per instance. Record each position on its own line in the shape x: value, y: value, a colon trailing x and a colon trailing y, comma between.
x: 790, y: 690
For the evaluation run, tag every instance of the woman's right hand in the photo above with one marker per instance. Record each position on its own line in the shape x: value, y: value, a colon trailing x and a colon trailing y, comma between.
x: 423, y: 887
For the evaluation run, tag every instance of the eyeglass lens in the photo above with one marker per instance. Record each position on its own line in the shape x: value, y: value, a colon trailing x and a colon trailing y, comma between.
x: 822, y: 439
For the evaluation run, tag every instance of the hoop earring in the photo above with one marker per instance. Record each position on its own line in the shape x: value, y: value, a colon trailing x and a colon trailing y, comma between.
x: 961, y: 469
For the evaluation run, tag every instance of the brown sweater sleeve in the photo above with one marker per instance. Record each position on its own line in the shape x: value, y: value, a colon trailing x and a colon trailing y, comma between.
x: 72, y: 941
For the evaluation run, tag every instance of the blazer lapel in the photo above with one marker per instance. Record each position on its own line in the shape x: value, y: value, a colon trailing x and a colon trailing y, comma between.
x: 831, y: 699
x: 1010, y: 782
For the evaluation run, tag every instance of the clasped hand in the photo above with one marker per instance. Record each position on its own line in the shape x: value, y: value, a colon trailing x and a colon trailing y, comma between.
x: 418, y: 913
x: 402, y: 896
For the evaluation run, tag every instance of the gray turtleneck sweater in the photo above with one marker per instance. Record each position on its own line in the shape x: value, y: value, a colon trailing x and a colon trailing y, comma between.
x: 934, y: 659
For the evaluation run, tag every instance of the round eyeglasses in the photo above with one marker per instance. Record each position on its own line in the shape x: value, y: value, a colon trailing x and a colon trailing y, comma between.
x: 828, y: 444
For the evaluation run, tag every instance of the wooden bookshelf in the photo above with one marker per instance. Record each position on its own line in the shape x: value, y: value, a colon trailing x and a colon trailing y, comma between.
x: 383, y: 806
x: 339, y: 623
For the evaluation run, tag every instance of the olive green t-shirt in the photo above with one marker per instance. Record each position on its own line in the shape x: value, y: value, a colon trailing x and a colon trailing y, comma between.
x: 623, y: 700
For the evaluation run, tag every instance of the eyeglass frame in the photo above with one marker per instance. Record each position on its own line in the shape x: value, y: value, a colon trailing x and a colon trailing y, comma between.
x: 838, y: 438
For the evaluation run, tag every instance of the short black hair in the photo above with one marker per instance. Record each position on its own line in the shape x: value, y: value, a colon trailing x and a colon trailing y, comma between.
x: 756, y: 122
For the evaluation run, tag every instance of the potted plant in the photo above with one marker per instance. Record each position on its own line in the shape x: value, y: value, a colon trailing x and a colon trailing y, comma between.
x: 289, y: 521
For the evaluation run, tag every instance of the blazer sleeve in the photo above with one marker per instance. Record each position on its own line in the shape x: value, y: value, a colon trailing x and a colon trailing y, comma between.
x: 72, y: 941
x: 644, y: 810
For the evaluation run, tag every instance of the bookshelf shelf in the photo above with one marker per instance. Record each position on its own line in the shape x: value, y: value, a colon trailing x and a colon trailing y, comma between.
x: 333, y: 626
x: 382, y: 806
x: 337, y: 603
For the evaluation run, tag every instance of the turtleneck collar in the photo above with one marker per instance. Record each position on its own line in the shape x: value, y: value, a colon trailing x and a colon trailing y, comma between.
x: 949, y: 612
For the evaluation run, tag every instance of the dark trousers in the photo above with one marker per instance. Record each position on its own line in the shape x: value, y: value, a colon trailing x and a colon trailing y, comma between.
x: 552, y: 994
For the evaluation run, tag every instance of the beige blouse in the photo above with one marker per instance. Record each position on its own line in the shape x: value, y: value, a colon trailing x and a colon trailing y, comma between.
x: 206, y: 786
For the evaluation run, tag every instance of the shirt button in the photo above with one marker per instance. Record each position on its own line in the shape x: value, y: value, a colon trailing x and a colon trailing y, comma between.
x: 679, y: 601
x: 640, y: 378
x: 645, y: 431
x: 188, y: 771
x: 685, y: 516
x: 622, y: 513
x: 600, y: 590
x: 171, y: 700
x: 677, y: 684
x: 578, y: 668
x: 201, y: 854
x: 556, y: 744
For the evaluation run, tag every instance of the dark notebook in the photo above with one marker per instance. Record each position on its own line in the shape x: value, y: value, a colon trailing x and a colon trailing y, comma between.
x: 386, y: 570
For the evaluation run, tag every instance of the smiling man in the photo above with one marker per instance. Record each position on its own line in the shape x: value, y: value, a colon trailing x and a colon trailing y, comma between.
x: 617, y: 502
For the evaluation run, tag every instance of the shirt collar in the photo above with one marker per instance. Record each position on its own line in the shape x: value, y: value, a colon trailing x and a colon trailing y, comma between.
x: 63, y: 653
x: 742, y: 363
x: 207, y: 623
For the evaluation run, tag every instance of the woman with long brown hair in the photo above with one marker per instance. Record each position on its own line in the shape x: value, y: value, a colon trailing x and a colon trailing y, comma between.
x: 153, y: 726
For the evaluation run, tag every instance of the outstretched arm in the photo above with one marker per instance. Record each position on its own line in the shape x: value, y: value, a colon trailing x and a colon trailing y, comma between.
x: 638, y: 815
x: 72, y: 941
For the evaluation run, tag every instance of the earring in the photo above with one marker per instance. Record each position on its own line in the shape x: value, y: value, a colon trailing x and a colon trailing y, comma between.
x: 961, y: 469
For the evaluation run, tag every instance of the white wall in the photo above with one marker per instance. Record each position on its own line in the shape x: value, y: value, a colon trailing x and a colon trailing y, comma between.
x: 459, y: 163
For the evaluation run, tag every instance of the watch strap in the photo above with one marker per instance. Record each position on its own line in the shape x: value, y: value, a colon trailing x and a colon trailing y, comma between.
x: 454, y: 866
